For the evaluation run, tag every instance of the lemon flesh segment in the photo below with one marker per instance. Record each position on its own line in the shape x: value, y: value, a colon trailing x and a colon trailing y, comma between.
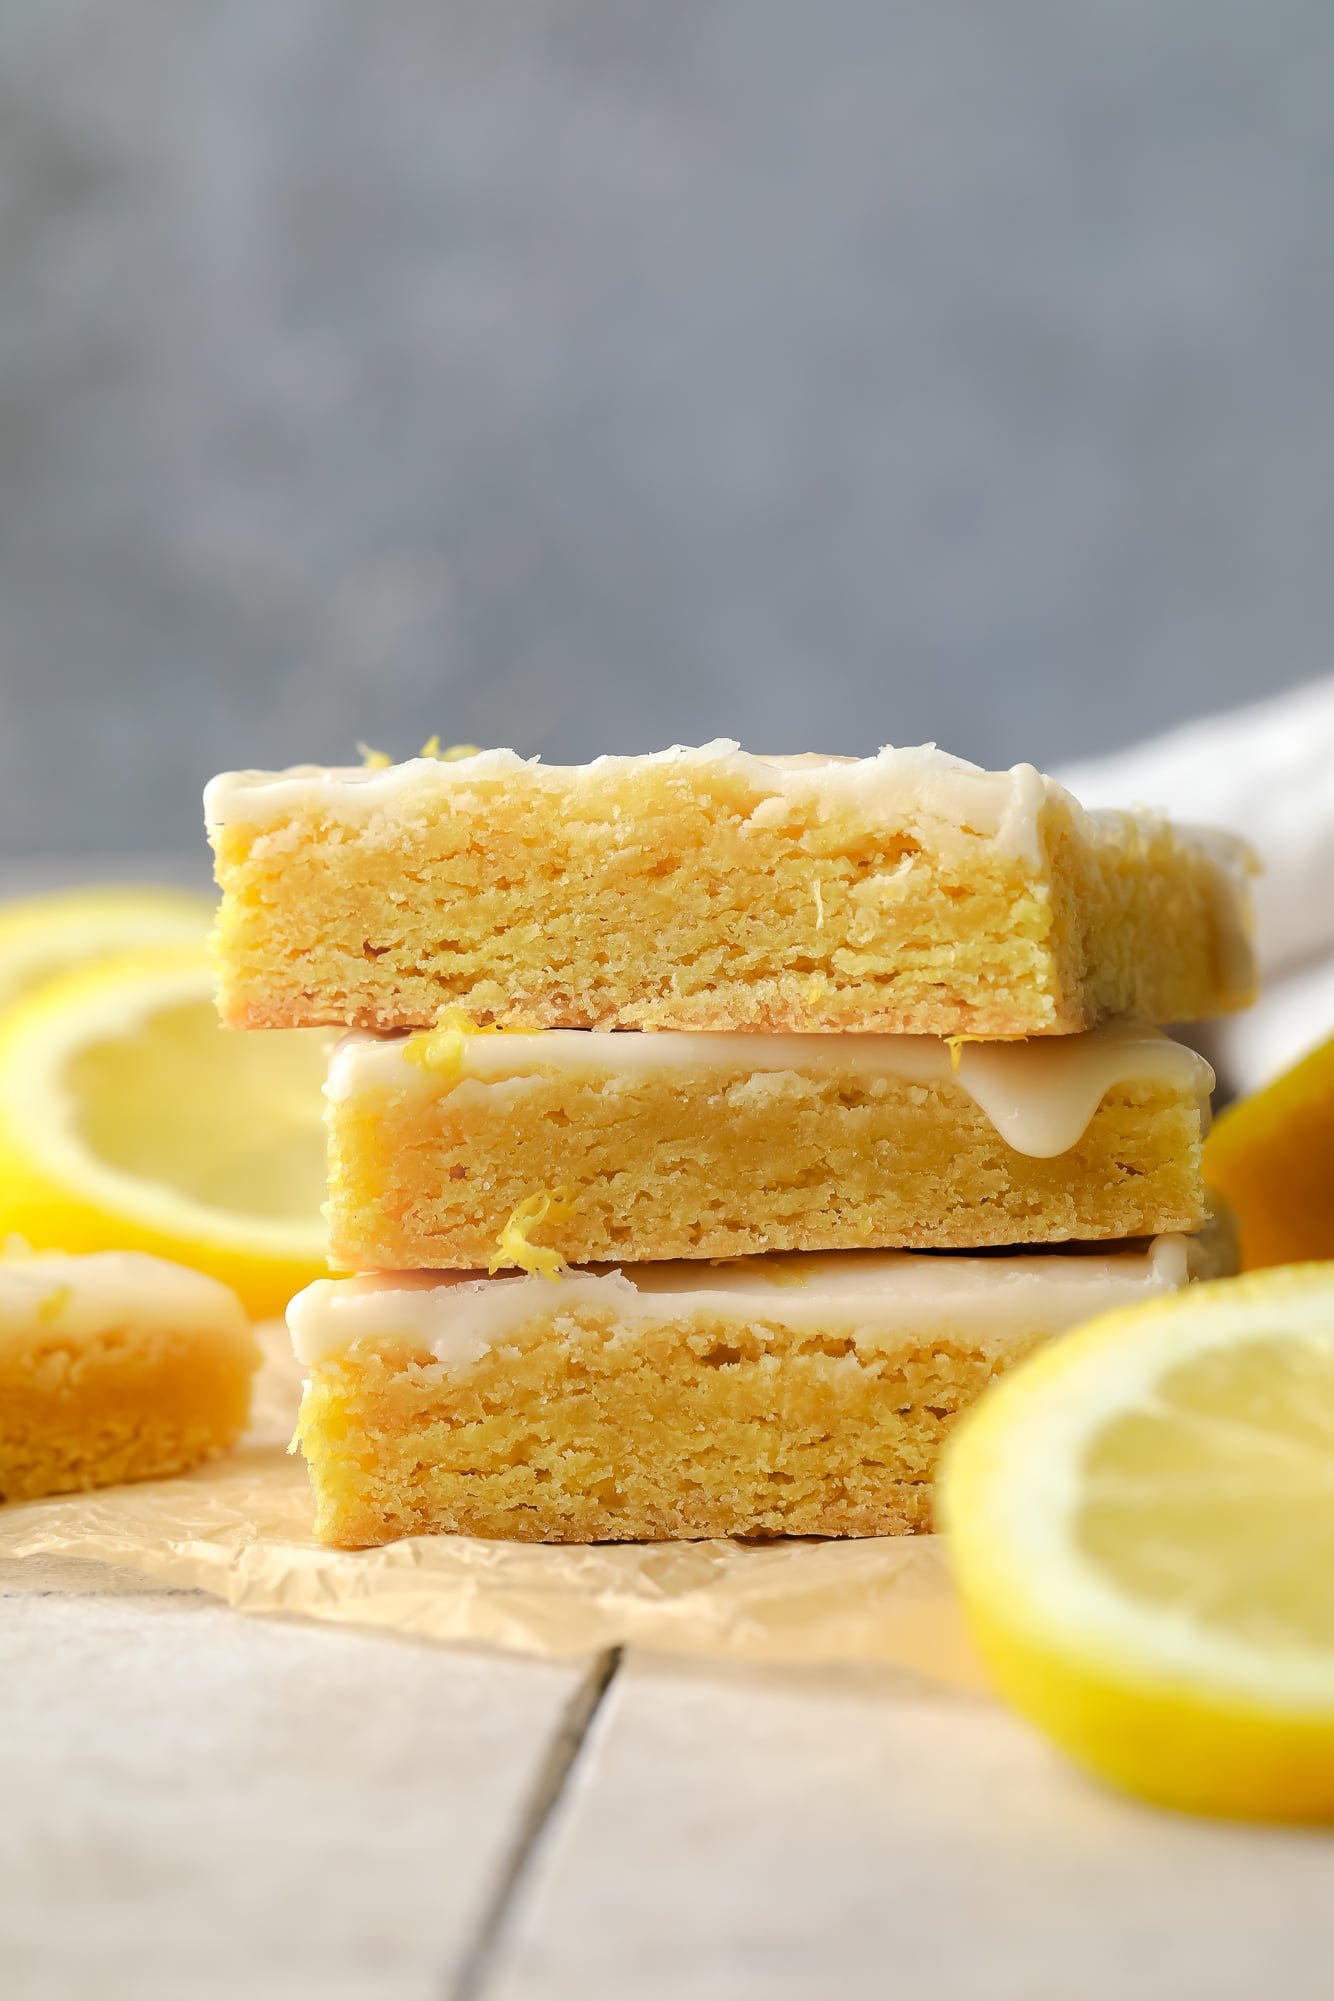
x: 43, y: 936
x: 129, y: 1119
x: 1141, y: 1521
x: 1271, y: 1156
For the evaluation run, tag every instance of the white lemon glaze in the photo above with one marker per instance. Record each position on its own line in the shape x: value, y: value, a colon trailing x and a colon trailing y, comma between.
x: 919, y: 781
x: 874, y: 1298
x: 1040, y: 1095
x: 101, y: 1290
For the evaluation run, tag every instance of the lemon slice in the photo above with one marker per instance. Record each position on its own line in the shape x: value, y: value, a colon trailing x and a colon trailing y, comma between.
x: 1271, y: 1156
x: 1141, y: 1520
x: 129, y: 1120
x: 41, y: 936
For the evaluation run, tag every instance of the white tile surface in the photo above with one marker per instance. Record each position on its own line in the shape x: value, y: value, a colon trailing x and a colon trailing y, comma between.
x: 738, y: 1836
x: 193, y: 1803
x: 198, y: 1803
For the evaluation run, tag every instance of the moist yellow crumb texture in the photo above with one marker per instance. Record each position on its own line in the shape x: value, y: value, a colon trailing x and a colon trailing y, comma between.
x: 702, y: 1427
x: 775, y: 1160
x: 92, y: 1410
x: 689, y: 899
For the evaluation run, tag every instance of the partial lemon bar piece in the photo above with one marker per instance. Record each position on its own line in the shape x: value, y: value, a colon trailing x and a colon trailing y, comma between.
x: 696, y: 1146
x: 804, y: 1395
x: 115, y: 1366
x: 708, y: 889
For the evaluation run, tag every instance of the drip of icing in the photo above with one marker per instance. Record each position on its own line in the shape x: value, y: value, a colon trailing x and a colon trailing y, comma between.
x: 876, y: 1298
x: 1040, y: 1095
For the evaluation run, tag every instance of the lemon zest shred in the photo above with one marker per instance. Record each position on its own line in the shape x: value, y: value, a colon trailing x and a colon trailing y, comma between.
x: 451, y: 754
x: 374, y: 760
x: 440, y: 1049
x: 818, y: 894
x: 955, y: 1045
x: 50, y: 1308
x: 513, y: 1246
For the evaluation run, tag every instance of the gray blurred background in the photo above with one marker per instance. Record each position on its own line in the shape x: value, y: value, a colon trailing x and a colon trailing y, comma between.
x: 594, y: 374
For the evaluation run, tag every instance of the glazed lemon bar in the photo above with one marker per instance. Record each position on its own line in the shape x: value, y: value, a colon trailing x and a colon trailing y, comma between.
x: 708, y: 889
x: 115, y: 1366
x: 803, y: 1395
x: 672, y: 1145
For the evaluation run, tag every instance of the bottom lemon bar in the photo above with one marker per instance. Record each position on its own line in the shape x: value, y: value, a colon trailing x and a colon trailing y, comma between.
x: 805, y: 1394
x: 115, y: 1366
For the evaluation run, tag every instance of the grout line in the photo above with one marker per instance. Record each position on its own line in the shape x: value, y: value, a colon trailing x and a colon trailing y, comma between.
x: 133, y: 1592
x: 473, y: 1976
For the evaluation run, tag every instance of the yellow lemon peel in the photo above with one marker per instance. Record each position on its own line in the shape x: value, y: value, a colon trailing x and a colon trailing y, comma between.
x: 1137, y: 1516
x: 513, y: 1246
x: 1271, y: 1157
x: 45, y: 937
x: 374, y: 760
x: 96, y: 1154
x: 451, y: 754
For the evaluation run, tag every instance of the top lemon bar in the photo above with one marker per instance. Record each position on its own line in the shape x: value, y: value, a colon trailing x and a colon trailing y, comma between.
x: 908, y: 892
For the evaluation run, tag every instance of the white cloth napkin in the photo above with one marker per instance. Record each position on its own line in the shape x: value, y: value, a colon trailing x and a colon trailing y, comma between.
x: 1266, y: 772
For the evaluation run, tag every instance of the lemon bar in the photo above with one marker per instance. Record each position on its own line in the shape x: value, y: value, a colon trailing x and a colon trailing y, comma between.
x: 906, y: 893
x: 115, y: 1366
x: 679, y: 1145
x: 804, y: 1395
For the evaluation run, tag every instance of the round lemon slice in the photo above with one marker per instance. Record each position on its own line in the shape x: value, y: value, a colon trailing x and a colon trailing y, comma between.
x: 130, y: 1120
x: 1141, y: 1521
x: 41, y: 936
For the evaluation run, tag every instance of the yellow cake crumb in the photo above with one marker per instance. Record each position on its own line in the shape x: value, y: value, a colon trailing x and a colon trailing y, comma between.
x: 709, y: 890
x: 713, y: 1157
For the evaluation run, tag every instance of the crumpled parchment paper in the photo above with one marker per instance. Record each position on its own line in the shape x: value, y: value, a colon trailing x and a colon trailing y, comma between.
x: 241, y: 1529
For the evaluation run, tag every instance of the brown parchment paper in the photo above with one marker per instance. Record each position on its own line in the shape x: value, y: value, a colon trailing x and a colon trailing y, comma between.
x: 241, y: 1529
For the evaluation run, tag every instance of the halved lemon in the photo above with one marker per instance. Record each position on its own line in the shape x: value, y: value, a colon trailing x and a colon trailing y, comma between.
x: 1271, y: 1156
x: 130, y: 1120
x: 1141, y: 1522
x: 41, y: 936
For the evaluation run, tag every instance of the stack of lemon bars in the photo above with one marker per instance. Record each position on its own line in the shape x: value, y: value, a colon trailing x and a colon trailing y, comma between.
x: 712, y: 1128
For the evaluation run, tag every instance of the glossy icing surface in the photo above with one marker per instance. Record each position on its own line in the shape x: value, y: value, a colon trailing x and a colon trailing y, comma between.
x: 1040, y: 1095
x: 1002, y: 806
x: 875, y: 1298
x: 104, y: 1289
